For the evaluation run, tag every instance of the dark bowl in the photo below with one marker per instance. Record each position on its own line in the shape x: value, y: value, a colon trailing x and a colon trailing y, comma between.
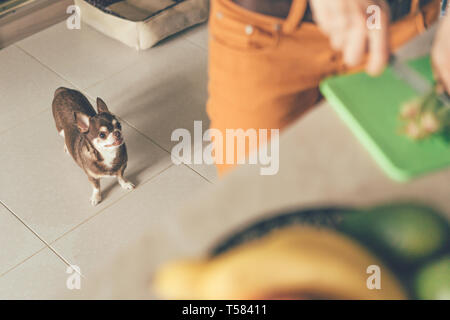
x: 328, y: 217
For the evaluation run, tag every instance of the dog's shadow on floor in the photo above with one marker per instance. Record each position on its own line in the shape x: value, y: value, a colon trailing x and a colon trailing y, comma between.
x: 134, y: 175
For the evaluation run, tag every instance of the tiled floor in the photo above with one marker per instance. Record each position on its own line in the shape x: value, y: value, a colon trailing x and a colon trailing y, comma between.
x: 46, y: 220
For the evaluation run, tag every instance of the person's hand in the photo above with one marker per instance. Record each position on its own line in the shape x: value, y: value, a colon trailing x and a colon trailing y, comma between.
x: 345, y: 23
x: 441, y: 53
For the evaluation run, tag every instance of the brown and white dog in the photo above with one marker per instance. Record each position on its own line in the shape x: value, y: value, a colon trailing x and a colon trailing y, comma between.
x: 94, y: 140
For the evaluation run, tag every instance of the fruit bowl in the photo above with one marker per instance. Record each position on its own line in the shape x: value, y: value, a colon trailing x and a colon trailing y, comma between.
x: 392, y: 251
x: 328, y: 217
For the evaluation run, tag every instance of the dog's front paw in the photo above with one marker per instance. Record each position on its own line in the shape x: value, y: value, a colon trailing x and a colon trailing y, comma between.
x: 127, y: 185
x: 96, y: 199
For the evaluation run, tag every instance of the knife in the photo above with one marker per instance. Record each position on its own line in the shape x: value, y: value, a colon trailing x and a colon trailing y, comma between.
x: 414, y: 79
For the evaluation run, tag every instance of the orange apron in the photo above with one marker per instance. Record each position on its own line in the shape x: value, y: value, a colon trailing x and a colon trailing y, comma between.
x: 264, y: 71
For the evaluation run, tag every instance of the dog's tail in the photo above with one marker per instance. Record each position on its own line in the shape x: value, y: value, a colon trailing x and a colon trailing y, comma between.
x: 59, y: 90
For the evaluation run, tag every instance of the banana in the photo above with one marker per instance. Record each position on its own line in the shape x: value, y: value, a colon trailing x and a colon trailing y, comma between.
x: 299, y: 260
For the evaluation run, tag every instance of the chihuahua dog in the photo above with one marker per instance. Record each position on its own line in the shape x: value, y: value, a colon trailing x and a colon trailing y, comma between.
x: 94, y: 140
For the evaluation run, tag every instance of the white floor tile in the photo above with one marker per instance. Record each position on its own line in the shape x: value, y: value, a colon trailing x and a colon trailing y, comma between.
x: 198, y: 35
x: 26, y: 87
x: 43, y: 276
x: 17, y: 242
x: 82, y: 56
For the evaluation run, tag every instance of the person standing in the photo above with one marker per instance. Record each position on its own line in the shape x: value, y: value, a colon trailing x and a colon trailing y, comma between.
x: 267, y: 57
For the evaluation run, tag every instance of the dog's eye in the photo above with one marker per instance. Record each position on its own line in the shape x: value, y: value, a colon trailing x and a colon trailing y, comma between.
x: 102, y: 135
x: 119, y: 126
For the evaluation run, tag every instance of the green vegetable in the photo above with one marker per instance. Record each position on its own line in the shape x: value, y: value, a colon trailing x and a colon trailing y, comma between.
x: 432, y: 282
x: 403, y: 234
x: 425, y: 116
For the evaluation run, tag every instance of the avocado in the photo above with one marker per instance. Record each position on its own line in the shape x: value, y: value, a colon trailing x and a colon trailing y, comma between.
x: 403, y: 234
x: 432, y: 281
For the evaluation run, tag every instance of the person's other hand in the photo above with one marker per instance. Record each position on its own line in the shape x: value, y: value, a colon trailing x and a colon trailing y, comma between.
x: 441, y: 53
x: 345, y: 23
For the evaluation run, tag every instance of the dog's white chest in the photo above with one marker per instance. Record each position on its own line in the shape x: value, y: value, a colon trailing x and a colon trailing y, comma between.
x: 109, y: 155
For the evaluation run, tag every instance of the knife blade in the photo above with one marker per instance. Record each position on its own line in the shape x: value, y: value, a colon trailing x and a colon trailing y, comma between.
x: 414, y: 79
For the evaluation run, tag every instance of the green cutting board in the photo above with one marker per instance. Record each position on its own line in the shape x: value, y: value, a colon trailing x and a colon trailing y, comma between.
x: 371, y: 107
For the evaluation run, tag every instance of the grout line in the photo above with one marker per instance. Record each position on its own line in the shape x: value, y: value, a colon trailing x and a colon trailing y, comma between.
x: 67, y: 80
x: 185, y: 33
x: 46, y: 66
x: 132, y: 63
x: 202, y: 176
x: 109, y: 76
x: 47, y: 245
x: 145, y: 136
x: 180, y: 37
x: 110, y: 205
x: 160, y: 146
x: 196, y: 44
x: 22, y: 262
x: 23, y: 121
x: 49, y: 69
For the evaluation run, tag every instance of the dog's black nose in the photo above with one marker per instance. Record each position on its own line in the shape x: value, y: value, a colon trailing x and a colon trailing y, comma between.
x: 117, y: 134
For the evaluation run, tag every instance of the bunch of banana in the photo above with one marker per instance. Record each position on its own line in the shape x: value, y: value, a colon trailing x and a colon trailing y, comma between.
x: 297, y: 261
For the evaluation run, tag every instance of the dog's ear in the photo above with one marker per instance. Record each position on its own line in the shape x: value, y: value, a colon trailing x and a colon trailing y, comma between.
x: 101, y: 106
x: 82, y: 121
